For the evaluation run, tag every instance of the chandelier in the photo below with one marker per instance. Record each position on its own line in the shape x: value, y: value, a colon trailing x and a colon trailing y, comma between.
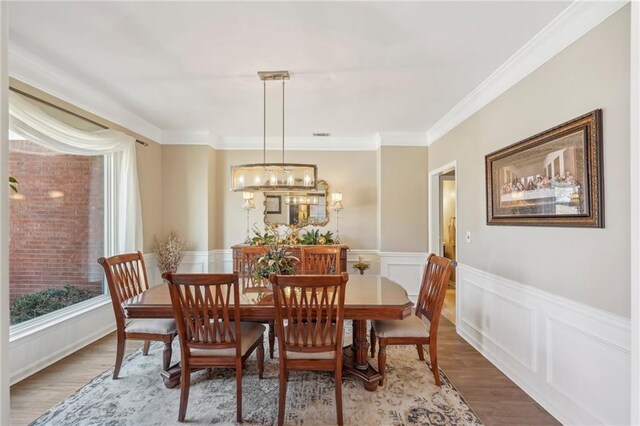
x: 270, y: 177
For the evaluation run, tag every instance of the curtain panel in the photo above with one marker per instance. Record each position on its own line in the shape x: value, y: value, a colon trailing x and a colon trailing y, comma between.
x: 35, y: 125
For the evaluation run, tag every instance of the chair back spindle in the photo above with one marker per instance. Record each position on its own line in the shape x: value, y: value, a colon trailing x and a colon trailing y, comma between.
x: 320, y: 260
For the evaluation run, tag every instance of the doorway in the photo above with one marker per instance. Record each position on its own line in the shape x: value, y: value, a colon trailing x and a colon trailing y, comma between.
x: 443, y: 208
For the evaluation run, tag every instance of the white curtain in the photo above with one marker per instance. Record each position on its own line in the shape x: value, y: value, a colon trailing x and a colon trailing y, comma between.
x: 32, y: 123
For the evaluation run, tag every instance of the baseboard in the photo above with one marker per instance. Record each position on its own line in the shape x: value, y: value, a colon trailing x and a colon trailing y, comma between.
x: 573, y: 359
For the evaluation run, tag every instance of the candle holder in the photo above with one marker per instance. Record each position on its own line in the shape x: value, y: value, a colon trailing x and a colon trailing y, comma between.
x: 336, y: 205
x: 247, y: 206
x: 361, y: 266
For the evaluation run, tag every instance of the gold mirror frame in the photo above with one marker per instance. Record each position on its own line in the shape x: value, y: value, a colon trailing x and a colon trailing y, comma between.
x: 323, y: 189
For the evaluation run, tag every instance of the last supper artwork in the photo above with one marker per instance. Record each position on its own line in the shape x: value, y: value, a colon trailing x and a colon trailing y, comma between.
x: 545, y: 180
x: 552, y: 178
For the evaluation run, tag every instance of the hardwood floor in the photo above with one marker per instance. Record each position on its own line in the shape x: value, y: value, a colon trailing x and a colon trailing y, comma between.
x: 34, y: 395
x: 449, y: 307
x: 495, y: 398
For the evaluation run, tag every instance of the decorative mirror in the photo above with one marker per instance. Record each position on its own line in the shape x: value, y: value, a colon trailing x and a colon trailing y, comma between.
x: 297, y: 208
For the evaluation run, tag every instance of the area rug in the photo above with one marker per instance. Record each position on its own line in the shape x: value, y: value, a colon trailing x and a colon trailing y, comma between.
x: 139, y: 396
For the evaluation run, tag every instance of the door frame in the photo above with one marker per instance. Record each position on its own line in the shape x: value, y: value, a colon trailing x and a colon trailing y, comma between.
x: 435, y: 227
x: 434, y: 218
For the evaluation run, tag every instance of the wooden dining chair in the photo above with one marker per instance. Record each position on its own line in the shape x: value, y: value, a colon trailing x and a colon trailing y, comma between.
x: 127, y: 277
x: 320, y: 260
x: 421, y: 328
x: 210, y: 331
x: 309, y: 325
x: 246, y: 267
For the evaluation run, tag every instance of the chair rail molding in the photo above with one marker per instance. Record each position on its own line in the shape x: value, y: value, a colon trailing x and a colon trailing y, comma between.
x: 571, y: 24
x: 553, y: 348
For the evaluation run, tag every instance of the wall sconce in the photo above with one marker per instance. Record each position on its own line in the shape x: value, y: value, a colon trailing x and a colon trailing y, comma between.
x: 336, y: 205
x: 248, y: 204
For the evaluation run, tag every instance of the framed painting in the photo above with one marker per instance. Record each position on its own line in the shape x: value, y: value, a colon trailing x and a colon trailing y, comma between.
x: 273, y: 204
x: 551, y: 179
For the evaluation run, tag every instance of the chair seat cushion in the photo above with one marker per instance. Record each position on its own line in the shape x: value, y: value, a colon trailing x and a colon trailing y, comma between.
x: 412, y: 326
x: 151, y: 326
x: 310, y: 355
x: 250, y: 332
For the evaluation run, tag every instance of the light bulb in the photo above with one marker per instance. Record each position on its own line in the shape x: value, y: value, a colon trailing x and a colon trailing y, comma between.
x: 273, y: 180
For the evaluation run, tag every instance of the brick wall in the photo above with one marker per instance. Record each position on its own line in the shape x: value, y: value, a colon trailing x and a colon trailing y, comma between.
x: 56, y: 222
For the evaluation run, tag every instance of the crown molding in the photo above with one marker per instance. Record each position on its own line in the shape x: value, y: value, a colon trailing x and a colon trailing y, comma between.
x: 197, y: 137
x: 29, y: 69
x: 402, y: 138
x: 300, y: 143
x: 571, y: 24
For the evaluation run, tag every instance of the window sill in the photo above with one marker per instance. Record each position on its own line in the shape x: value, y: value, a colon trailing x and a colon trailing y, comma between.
x: 27, y: 328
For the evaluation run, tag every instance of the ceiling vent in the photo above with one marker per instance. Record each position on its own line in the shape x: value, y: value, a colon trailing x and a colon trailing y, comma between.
x: 322, y: 135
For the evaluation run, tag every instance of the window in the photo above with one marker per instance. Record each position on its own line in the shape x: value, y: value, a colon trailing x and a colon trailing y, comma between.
x: 57, y: 229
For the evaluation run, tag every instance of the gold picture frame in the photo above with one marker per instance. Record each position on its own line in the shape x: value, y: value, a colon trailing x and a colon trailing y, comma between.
x: 553, y: 178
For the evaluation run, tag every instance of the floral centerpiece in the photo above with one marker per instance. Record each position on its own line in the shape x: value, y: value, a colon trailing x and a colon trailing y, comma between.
x: 169, y: 253
x: 279, y: 257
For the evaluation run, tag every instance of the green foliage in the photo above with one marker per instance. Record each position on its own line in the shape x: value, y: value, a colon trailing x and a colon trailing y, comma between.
x: 13, y: 183
x: 314, y: 237
x: 361, y: 266
x: 42, y: 302
x: 279, y: 259
x: 260, y: 239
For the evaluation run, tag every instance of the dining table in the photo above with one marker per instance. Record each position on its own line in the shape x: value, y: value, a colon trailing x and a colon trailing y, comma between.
x: 367, y: 297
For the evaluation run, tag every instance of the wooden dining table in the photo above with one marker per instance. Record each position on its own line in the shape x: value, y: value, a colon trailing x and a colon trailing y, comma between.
x: 367, y: 297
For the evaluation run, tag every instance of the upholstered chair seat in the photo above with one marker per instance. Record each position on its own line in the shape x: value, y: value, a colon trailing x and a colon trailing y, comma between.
x: 152, y: 326
x: 409, y: 327
x: 251, y: 332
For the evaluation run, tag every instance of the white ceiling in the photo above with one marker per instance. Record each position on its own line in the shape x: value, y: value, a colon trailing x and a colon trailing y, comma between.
x: 357, y: 68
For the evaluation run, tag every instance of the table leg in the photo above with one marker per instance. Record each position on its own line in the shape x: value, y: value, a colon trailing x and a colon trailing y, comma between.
x: 355, y: 358
x: 171, y: 377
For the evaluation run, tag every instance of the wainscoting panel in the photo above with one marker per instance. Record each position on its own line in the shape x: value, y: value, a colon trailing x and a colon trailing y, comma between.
x: 405, y: 269
x: 571, y: 358
x: 195, y: 262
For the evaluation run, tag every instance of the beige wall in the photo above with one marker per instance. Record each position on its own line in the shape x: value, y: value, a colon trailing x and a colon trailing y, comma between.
x: 587, y: 265
x: 351, y: 172
x: 403, y: 191
x: 185, y: 199
x: 149, y: 160
x: 212, y: 190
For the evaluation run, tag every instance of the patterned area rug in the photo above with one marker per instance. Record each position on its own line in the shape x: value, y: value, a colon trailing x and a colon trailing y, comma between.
x: 139, y: 397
